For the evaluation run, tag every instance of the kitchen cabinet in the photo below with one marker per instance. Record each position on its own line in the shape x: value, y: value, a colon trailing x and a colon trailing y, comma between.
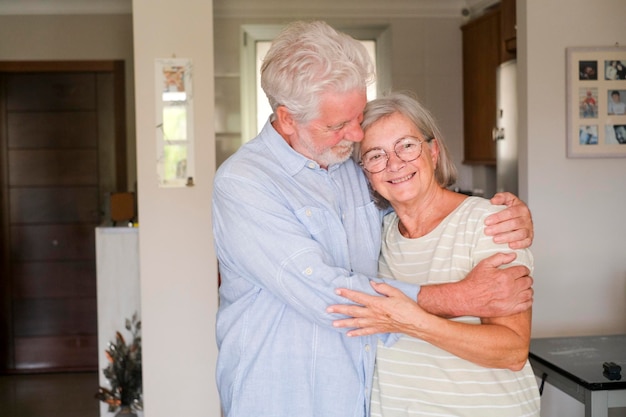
x: 481, y: 57
x: 488, y: 41
x: 508, y: 30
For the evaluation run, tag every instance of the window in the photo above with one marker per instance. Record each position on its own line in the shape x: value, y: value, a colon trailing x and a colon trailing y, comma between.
x: 256, y: 42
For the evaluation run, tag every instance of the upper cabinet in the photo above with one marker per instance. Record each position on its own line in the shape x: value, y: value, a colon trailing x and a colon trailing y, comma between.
x: 488, y: 41
x: 481, y: 56
x: 508, y: 30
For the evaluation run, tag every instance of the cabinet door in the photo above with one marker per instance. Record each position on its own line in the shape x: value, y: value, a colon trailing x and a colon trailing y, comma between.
x: 481, y: 57
x: 508, y: 30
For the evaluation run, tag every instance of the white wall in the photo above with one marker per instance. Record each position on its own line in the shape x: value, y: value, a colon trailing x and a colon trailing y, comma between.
x: 177, y: 261
x: 577, y: 204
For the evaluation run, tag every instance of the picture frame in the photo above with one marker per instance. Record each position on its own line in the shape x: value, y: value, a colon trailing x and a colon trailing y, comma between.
x: 596, y: 102
x: 174, y: 116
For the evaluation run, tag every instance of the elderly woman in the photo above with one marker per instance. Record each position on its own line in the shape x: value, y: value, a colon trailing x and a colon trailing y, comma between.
x: 468, y: 366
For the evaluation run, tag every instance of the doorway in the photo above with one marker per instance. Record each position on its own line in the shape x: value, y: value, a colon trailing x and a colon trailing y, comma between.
x: 62, y: 152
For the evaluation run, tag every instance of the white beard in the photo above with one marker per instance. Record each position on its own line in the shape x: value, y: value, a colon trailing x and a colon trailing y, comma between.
x: 327, y: 156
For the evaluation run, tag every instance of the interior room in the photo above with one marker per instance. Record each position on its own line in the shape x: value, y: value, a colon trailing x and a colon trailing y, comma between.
x: 576, y: 202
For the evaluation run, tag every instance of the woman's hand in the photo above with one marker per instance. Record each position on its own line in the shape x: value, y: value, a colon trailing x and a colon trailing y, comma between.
x: 393, y: 312
x: 513, y: 225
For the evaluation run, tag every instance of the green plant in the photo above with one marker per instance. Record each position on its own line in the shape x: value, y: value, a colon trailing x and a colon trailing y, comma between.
x: 124, y: 370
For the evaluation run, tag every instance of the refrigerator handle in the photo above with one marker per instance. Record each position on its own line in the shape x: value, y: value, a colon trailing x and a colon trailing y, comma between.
x: 497, y: 134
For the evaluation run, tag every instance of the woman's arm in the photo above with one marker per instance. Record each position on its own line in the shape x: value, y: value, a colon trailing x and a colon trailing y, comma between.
x: 498, y: 343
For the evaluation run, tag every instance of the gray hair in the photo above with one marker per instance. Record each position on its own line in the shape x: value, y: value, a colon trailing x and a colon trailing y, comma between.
x: 308, y: 59
x: 407, y: 104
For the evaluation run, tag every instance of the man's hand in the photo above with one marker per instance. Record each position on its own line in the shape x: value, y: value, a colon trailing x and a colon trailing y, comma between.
x: 487, y: 291
x: 513, y: 225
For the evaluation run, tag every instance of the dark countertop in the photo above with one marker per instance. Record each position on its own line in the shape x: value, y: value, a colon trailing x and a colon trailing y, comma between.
x: 581, y: 358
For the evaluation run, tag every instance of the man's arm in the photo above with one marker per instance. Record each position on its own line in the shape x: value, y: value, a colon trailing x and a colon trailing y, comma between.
x: 498, y: 343
x: 296, y: 268
x: 487, y: 291
x: 513, y: 225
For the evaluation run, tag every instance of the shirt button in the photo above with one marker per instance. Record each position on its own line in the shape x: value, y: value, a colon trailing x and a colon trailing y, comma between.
x: 311, y: 165
x: 367, y: 348
x: 308, y: 213
x: 308, y: 271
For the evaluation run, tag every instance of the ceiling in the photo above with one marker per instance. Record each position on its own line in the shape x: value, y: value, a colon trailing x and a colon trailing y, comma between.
x: 266, y: 8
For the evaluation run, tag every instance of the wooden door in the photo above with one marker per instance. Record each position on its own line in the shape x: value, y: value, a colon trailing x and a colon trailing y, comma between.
x: 61, y: 157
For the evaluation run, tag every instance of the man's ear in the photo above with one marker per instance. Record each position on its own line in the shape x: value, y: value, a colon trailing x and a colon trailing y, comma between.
x: 285, y: 120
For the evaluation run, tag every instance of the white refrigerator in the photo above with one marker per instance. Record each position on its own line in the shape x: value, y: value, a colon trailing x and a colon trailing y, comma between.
x: 505, y: 131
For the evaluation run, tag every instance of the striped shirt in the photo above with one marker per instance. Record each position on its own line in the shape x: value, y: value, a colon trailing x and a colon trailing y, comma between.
x: 415, y: 378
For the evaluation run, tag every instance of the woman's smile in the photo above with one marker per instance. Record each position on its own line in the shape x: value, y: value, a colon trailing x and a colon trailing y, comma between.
x: 403, y: 179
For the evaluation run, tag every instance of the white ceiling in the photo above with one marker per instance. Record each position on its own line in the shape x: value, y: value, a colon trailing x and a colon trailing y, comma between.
x: 266, y: 8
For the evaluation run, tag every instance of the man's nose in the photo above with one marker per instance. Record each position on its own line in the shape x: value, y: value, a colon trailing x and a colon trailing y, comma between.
x: 353, y: 132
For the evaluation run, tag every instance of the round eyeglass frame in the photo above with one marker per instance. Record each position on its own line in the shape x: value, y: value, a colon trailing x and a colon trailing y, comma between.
x: 395, y: 150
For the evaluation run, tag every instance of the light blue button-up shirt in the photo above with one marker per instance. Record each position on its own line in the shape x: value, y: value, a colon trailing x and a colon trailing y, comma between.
x: 287, y: 234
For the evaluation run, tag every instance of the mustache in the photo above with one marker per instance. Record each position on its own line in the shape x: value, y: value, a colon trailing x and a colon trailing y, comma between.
x: 345, y: 144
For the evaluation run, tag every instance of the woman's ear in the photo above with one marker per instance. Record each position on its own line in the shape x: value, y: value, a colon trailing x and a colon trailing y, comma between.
x: 434, y: 151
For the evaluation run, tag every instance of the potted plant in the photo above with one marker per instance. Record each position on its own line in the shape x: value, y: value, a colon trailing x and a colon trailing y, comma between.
x: 124, y: 372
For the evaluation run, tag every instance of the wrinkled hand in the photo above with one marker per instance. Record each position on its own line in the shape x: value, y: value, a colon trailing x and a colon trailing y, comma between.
x: 393, y: 312
x: 491, y: 291
x: 513, y: 225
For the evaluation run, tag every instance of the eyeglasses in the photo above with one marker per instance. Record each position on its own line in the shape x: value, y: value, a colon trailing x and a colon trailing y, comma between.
x: 375, y: 160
